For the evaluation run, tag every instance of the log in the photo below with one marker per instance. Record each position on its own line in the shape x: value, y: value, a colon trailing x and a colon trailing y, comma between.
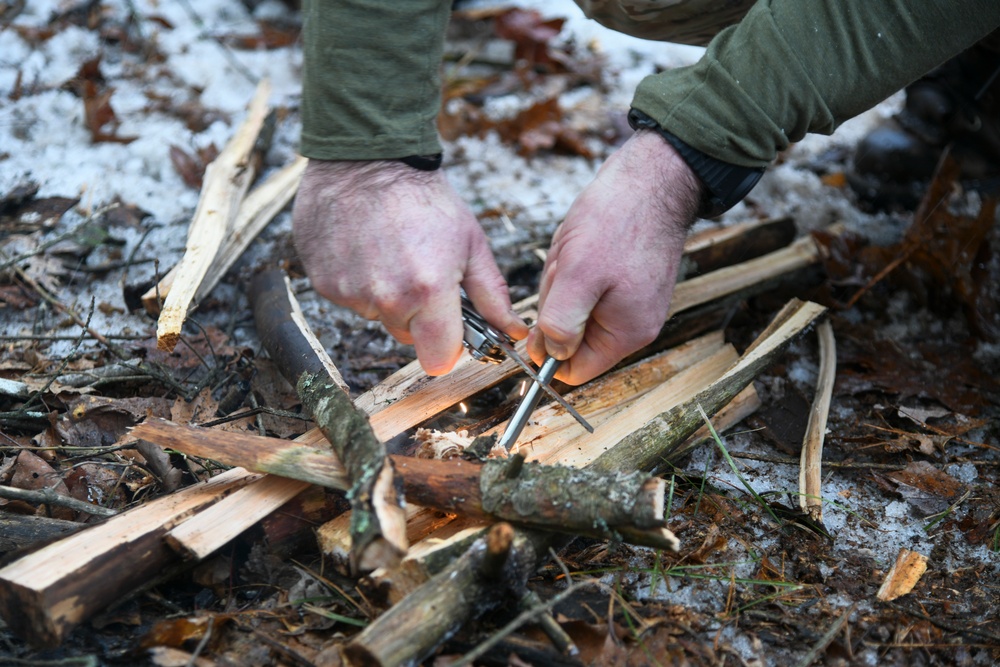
x: 21, y: 532
x: 495, y: 568
x: 256, y: 211
x: 810, y: 466
x: 714, y: 249
x: 378, y: 525
x: 45, y: 594
x: 662, y: 439
x: 227, y: 179
x: 554, y: 498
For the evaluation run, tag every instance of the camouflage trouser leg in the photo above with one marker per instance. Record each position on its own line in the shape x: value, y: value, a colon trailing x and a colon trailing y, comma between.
x: 681, y: 21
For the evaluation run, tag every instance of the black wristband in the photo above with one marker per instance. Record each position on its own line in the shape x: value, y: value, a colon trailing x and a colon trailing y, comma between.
x: 423, y: 162
x: 725, y: 184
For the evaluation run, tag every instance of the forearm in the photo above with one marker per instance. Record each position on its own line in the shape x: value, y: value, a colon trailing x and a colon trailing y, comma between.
x: 796, y: 66
x: 371, y: 83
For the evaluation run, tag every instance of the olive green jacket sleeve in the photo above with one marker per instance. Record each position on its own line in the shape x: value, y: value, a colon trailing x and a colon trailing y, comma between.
x: 798, y: 66
x: 371, y: 78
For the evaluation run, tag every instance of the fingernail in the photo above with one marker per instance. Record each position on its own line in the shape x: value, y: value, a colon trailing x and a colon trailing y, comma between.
x: 560, y: 352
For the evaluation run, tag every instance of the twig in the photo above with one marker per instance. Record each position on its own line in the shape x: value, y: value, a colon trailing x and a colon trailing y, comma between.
x: 202, y: 643
x: 50, y: 497
x: 42, y: 247
x: 559, y: 638
x: 827, y: 637
x: 992, y: 636
x: 810, y: 469
x: 61, y: 307
x: 522, y: 618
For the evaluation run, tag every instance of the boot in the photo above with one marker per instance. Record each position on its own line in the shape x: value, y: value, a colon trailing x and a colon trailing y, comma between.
x: 957, y: 104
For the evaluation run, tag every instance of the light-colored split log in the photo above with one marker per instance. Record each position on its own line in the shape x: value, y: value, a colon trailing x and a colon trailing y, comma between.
x: 256, y: 211
x: 46, y: 593
x: 202, y: 535
x: 226, y: 181
x: 810, y: 467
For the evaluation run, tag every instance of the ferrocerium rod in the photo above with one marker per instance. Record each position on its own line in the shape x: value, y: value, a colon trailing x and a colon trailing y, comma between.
x: 529, y: 402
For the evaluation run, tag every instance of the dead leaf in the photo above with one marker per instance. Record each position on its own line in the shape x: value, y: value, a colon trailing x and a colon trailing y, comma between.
x: 96, y: 484
x: 99, y: 116
x: 271, y: 35
x: 531, y: 34
x: 34, y: 474
x: 925, y: 487
x: 191, y: 168
x: 98, y: 421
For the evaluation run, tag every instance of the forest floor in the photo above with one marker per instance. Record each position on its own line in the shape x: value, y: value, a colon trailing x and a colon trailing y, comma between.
x: 109, y: 112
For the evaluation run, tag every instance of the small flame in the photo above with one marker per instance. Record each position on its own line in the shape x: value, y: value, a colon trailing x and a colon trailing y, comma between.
x: 464, y: 408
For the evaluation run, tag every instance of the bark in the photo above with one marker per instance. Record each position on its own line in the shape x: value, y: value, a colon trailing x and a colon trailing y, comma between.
x: 378, y: 522
x: 21, y: 532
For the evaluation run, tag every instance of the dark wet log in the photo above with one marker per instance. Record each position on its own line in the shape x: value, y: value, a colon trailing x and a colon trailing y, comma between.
x: 378, y: 526
x: 495, y: 567
x: 20, y: 532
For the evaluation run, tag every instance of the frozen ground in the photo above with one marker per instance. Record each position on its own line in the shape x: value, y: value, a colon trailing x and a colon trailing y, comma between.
x: 43, y: 139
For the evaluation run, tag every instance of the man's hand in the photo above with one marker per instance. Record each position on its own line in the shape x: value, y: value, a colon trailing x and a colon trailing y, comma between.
x: 611, y: 270
x: 394, y: 244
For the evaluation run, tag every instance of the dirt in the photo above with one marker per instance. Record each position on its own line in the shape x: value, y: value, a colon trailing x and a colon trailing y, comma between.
x: 912, y: 443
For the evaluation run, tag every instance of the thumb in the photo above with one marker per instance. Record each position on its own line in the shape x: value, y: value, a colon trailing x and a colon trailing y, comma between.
x: 565, y: 308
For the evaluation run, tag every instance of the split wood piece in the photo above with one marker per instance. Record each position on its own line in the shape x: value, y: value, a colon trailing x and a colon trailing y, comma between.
x: 226, y: 181
x: 228, y: 520
x: 256, y: 211
x: 583, y: 450
x: 810, y: 467
x: 658, y: 440
x: 46, y: 593
x: 495, y: 568
x: 607, y: 395
x: 732, y: 279
x: 903, y: 576
x: 714, y: 249
x: 551, y: 426
x: 378, y: 520
x: 559, y: 499
x: 662, y: 438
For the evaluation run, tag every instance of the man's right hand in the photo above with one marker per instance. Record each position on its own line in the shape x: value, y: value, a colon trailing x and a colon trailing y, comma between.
x: 395, y: 244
